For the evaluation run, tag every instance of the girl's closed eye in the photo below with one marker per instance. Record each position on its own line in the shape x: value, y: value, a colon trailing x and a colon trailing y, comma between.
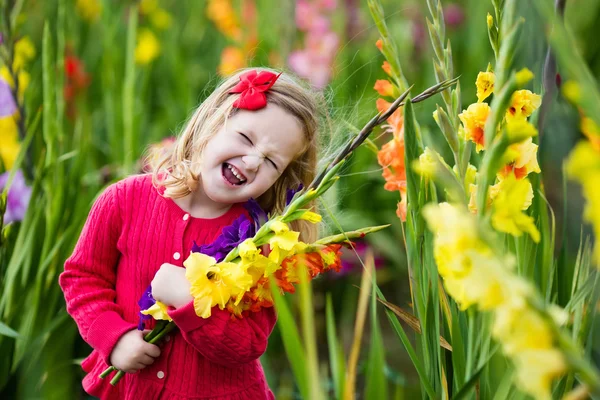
x: 268, y: 159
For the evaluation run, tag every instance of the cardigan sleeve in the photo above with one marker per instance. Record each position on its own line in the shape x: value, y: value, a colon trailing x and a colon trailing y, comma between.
x: 89, y: 278
x: 225, y: 340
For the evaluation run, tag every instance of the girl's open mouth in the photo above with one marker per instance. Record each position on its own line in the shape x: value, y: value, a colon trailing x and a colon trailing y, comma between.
x: 232, y: 175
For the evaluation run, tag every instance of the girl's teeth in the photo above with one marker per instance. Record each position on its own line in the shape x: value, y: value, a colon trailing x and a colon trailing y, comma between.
x: 234, y: 172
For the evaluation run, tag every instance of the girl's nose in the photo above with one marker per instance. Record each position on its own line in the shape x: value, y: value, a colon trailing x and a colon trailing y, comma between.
x: 252, y: 161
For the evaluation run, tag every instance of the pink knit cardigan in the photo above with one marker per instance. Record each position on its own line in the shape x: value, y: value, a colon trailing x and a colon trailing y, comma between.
x: 130, y: 231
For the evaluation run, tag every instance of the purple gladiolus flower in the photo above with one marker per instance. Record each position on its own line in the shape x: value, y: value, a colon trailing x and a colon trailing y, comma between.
x: 258, y: 215
x: 231, y: 236
x: 18, y: 197
x: 291, y: 193
x: 7, y: 102
x: 145, y: 302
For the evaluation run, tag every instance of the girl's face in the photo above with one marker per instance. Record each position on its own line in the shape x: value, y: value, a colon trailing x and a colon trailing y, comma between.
x: 249, y: 153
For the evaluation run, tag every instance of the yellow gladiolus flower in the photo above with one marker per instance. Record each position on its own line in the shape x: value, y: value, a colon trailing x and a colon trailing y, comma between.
x: 485, y: 85
x: 485, y: 285
x: 9, y: 140
x: 24, y: 52
x: 311, y: 217
x: 23, y: 78
x: 591, y: 130
x: 158, y: 311
x: 572, y: 91
x: 537, y: 369
x: 523, y: 76
x: 528, y: 339
x: 214, y: 284
x: 523, y: 103
x: 161, y: 19
x: 519, y: 129
x: 426, y: 165
x: 148, y: 47
x: 89, y: 10
x: 148, y: 6
x: 521, y: 160
x: 508, y: 205
x: 473, y: 120
x: 583, y: 165
x: 455, y: 233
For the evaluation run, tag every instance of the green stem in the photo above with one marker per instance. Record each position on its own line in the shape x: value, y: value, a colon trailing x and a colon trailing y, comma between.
x: 152, y: 337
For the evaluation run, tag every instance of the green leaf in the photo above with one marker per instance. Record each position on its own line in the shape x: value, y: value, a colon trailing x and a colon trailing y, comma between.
x: 337, y: 358
x: 291, y: 340
x: 376, y: 386
x: 7, y: 331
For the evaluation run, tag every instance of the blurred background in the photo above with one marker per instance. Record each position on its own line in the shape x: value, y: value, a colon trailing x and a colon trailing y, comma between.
x: 123, y: 76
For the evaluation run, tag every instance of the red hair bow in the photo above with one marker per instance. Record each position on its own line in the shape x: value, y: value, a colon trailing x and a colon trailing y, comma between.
x: 252, y: 87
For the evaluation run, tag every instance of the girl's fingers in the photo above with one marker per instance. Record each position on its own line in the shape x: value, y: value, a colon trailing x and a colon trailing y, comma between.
x: 147, y: 360
x: 152, y: 350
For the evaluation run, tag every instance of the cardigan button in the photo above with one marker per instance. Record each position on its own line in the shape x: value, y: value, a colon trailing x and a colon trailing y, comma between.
x: 160, y: 374
x: 177, y: 256
x: 186, y: 216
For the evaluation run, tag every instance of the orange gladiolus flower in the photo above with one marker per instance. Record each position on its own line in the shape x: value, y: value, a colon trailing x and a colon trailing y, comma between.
x: 391, y: 157
x: 384, y: 87
x: 387, y: 68
x: 395, y: 121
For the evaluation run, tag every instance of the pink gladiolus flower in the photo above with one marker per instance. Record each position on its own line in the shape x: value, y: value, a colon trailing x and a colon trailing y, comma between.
x: 315, y: 62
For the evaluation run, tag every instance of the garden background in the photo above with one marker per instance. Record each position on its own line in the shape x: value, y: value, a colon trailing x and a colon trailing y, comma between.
x: 101, y: 82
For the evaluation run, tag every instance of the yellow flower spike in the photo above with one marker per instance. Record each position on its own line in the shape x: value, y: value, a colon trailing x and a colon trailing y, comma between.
x: 148, y: 47
x: 518, y: 129
x: 523, y: 76
x: 248, y: 250
x: 23, y: 78
x: 591, y: 130
x: 572, y: 91
x: 489, y: 20
x: 24, y: 52
x: 89, y: 10
x: 583, y: 165
x: 470, y: 176
x: 311, y: 217
x: 148, y: 6
x: 161, y: 19
x: 485, y: 85
x: 9, y: 140
x: 537, y: 369
x: 507, y: 215
x: 523, y: 103
x: 485, y: 285
x: 279, y: 227
x: 158, y: 311
x: 426, y: 165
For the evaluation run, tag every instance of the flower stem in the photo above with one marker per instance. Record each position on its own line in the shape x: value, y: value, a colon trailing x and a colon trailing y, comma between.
x: 153, y: 337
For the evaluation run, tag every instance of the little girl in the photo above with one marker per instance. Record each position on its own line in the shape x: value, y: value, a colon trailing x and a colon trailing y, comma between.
x: 254, y: 137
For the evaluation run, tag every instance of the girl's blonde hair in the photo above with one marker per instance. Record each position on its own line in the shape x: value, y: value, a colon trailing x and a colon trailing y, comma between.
x: 178, y: 171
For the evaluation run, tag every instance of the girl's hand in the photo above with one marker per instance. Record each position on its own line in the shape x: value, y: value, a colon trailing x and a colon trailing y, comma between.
x: 132, y: 352
x: 171, y: 287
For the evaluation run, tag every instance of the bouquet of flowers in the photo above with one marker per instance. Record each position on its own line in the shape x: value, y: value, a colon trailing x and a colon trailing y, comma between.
x: 234, y: 273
